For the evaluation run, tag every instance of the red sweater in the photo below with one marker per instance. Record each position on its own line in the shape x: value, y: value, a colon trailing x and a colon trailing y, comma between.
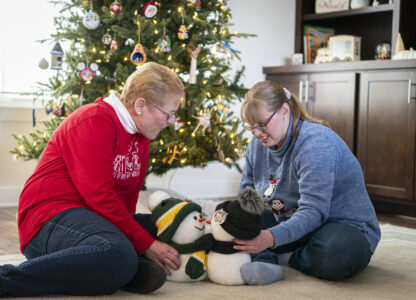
x: 90, y: 161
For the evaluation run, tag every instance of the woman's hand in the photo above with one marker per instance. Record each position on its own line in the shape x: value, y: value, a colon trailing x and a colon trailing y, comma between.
x: 263, y: 241
x: 164, y: 255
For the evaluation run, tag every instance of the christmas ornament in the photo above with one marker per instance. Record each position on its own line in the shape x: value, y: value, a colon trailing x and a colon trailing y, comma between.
x: 164, y: 42
x: 171, y: 155
x: 270, y: 188
x: 114, y: 45
x: 57, y: 57
x: 87, y: 73
x: 192, y: 71
x: 196, y: 3
x: 91, y: 20
x: 178, y: 124
x: 115, y: 7
x: 150, y: 9
x: 106, y: 39
x: 60, y: 112
x: 221, y: 155
x: 183, y: 32
x: 204, y: 120
x: 222, y: 112
x: 138, y: 56
x: 43, y: 64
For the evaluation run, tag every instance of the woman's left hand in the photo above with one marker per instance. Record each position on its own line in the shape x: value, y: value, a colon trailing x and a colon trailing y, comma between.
x: 263, y: 241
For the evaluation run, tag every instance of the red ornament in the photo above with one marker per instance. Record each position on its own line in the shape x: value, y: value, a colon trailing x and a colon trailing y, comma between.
x: 114, y: 45
x: 115, y: 7
x: 150, y: 9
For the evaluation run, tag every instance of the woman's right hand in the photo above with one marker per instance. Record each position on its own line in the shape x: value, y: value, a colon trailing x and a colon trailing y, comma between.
x: 164, y: 255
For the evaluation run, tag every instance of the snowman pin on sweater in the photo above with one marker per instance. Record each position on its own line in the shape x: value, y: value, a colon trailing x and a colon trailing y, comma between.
x: 241, y: 219
x: 180, y: 224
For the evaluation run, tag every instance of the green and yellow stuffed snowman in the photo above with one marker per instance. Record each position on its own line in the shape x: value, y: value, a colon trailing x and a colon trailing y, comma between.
x: 180, y: 224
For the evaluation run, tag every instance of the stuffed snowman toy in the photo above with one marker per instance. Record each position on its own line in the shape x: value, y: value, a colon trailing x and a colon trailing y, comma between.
x: 180, y: 224
x: 239, y: 219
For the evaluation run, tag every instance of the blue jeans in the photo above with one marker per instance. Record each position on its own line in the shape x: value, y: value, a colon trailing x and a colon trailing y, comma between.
x: 334, y: 251
x: 76, y: 252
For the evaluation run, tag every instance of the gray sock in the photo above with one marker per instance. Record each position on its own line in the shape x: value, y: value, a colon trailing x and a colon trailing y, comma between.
x: 260, y: 273
x: 284, y: 258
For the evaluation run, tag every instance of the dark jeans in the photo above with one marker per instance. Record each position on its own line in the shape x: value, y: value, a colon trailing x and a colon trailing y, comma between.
x: 334, y: 251
x: 76, y: 252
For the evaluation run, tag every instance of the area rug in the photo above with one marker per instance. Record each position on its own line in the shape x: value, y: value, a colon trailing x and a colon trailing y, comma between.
x: 390, y: 275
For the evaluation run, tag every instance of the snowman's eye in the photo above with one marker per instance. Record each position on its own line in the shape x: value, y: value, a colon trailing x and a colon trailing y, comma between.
x: 200, y: 216
x: 195, y: 218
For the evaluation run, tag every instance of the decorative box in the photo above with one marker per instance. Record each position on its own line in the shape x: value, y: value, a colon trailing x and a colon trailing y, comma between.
x: 325, y: 6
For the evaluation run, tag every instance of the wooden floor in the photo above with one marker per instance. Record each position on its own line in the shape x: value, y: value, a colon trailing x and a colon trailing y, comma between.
x: 9, y: 241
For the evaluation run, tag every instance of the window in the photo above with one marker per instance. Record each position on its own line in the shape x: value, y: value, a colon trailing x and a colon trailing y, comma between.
x: 22, y: 23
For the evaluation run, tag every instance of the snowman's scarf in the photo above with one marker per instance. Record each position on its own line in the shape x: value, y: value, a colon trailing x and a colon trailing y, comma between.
x: 197, y: 263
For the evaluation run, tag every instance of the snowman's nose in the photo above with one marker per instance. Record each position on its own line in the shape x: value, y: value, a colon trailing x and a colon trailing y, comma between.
x: 201, y: 220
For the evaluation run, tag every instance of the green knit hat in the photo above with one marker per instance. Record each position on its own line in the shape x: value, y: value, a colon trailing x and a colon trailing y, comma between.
x: 169, y: 214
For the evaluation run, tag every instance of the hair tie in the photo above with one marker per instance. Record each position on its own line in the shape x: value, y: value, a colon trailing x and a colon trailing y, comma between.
x: 287, y: 93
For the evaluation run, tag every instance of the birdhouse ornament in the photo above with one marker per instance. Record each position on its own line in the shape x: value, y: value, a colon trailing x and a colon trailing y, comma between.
x: 138, y: 56
x: 57, y: 56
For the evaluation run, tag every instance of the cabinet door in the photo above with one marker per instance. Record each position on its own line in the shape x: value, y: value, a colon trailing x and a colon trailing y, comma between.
x: 332, y: 98
x: 296, y: 84
x: 386, y: 134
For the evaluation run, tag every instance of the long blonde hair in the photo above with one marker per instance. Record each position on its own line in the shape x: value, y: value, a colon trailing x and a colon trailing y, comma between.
x: 151, y: 82
x: 274, y: 96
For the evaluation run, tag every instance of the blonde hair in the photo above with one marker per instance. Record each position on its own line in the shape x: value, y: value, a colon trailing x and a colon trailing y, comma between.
x: 151, y: 82
x: 274, y: 96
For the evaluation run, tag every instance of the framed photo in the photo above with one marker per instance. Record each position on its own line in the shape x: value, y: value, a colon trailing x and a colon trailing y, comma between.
x: 345, y: 48
x: 325, y: 6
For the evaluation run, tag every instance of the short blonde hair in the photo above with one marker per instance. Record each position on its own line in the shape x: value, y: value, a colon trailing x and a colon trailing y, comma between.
x: 274, y: 96
x: 152, y: 82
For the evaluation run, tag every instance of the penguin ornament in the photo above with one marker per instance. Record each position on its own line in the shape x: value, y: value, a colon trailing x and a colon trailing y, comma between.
x: 238, y: 219
x: 180, y: 224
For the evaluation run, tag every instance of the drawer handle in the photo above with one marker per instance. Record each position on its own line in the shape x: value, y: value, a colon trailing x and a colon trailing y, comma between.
x: 306, y: 91
x: 409, y: 91
x: 300, y: 91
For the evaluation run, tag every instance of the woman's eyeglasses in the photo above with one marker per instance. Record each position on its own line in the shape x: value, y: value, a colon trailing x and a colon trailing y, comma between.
x: 168, y: 114
x: 259, y: 126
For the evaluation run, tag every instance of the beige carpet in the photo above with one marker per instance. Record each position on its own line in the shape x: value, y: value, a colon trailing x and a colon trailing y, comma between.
x: 390, y: 275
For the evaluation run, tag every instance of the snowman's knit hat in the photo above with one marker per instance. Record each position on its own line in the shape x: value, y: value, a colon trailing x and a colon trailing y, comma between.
x: 169, y: 214
x: 242, y: 217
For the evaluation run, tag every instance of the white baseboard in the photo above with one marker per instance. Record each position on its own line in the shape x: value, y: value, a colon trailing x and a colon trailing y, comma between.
x: 9, y: 195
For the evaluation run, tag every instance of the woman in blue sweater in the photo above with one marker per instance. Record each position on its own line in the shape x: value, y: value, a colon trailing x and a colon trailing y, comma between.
x: 320, y: 213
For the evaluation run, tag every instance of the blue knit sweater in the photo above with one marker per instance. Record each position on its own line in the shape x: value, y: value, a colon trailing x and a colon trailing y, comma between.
x: 316, y: 174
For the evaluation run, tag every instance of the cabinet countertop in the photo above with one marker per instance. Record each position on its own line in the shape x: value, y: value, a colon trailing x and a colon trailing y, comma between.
x: 366, y: 65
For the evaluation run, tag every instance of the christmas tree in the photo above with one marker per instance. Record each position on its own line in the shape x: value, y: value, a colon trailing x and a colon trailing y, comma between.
x: 108, y: 40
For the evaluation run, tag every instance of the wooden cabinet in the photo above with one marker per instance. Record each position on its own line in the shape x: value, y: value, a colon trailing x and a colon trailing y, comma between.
x: 332, y: 98
x: 386, y: 134
x: 372, y: 106
x: 374, y: 24
x: 328, y: 96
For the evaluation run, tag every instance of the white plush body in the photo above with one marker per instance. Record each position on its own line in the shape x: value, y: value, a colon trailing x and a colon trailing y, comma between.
x: 188, y: 231
x: 225, y: 268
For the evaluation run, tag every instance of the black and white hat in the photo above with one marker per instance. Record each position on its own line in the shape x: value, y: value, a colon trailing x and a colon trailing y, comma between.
x: 242, y: 217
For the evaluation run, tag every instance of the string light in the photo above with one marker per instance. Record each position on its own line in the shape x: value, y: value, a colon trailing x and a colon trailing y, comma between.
x: 181, y: 130
x: 183, y: 161
x: 21, y: 147
x: 161, y: 142
x: 153, y: 161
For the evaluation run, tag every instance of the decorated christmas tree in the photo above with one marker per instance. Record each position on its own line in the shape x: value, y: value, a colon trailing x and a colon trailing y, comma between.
x: 108, y: 40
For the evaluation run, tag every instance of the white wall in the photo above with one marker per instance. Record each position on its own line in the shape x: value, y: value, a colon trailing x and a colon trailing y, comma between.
x: 274, y: 23
x: 272, y: 20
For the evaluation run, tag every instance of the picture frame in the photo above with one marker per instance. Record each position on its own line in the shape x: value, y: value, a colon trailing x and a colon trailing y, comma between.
x: 326, y: 6
x: 345, y: 48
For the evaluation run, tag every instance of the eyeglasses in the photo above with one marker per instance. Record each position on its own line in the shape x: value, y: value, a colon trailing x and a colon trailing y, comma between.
x: 168, y: 114
x: 259, y: 126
